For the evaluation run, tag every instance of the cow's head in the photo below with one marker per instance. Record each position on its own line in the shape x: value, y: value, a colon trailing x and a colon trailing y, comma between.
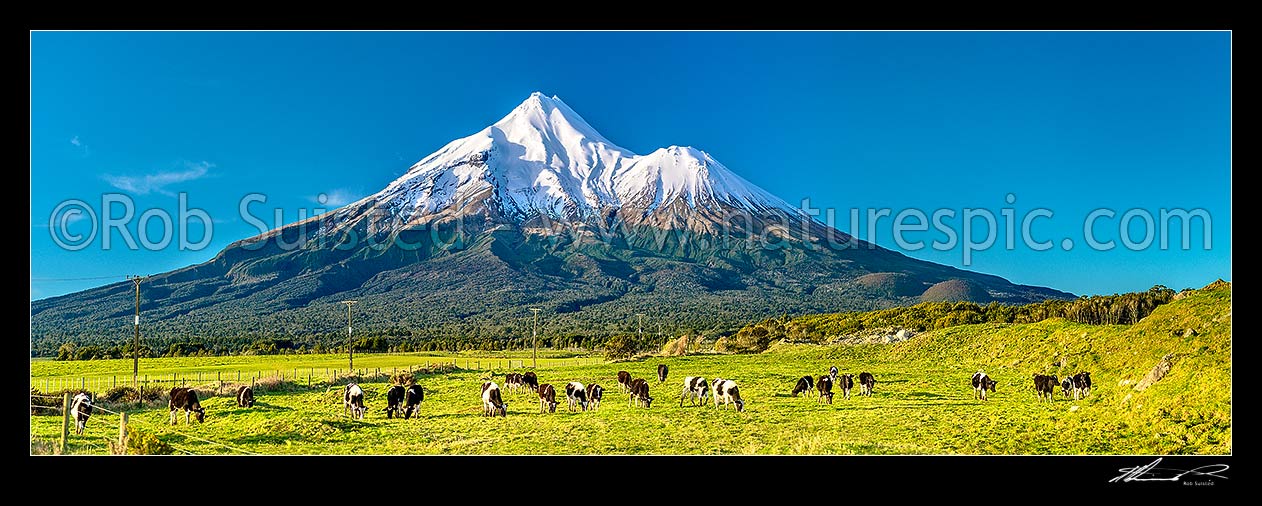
x: 990, y: 384
x: 552, y: 406
x: 648, y: 401
x: 200, y: 414
x: 740, y: 405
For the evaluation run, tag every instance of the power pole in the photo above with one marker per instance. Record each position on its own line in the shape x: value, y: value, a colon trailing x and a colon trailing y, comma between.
x: 534, y: 340
x: 350, y: 345
x: 135, y: 342
x: 640, y: 328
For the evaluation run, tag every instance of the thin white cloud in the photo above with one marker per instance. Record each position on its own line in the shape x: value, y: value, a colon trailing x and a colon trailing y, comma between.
x: 75, y: 140
x: 157, y: 183
x: 336, y: 197
x: 78, y: 143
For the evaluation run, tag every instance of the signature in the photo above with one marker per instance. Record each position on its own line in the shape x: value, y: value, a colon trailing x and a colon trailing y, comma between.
x: 1151, y: 472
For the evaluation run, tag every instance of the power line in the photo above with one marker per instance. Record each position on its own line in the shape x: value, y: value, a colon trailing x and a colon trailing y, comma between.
x: 78, y: 279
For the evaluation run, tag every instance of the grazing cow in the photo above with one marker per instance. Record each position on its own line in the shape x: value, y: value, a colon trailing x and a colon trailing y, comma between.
x: 846, y: 382
x: 412, y: 400
x: 695, y: 389
x: 576, y: 393
x: 547, y: 398
x: 594, y: 394
x: 186, y: 399
x: 80, y: 410
x: 661, y: 373
x: 825, y: 386
x: 1082, y: 384
x: 492, y: 403
x: 866, y: 382
x: 529, y: 380
x: 982, y: 383
x: 1067, y: 386
x: 1045, y: 386
x: 640, y: 393
x: 245, y: 396
x: 832, y: 372
x: 394, y: 400
x: 726, y: 391
x: 805, y: 384
x: 512, y: 382
x: 624, y: 381
x: 353, y: 401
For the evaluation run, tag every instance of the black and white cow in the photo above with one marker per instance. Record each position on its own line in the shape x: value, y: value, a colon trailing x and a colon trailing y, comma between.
x: 1082, y: 384
x: 512, y: 382
x: 80, y: 410
x: 624, y: 381
x: 804, y: 384
x: 529, y: 380
x: 695, y: 390
x: 661, y: 373
x: 825, y: 387
x: 846, y: 383
x: 547, y: 398
x: 640, y: 393
x: 576, y: 393
x: 866, y: 382
x: 186, y: 399
x: 245, y: 396
x: 982, y: 383
x: 726, y: 391
x: 1045, y: 386
x: 492, y: 402
x: 394, y: 400
x: 412, y: 400
x: 594, y: 394
x: 1067, y: 386
x: 353, y: 401
x: 832, y: 372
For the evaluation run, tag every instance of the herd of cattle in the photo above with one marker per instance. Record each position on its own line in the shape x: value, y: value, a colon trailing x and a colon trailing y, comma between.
x: 406, y: 400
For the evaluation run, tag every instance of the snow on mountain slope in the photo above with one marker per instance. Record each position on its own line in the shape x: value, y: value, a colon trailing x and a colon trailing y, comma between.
x: 543, y: 158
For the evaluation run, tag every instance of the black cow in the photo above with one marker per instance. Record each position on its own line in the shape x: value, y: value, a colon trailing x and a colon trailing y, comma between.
x: 412, y: 400
x: 492, y: 403
x: 186, y: 399
x: 529, y: 380
x: 353, y: 401
x: 661, y: 373
x: 825, y: 387
x: 576, y: 393
x: 594, y: 394
x: 624, y: 381
x: 394, y: 400
x: 846, y: 382
x: 695, y: 389
x: 640, y: 393
x: 982, y: 383
x: 80, y: 410
x: 1067, y: 386
x: 547, y: 398
x: 245, y: 396
x: 866, y: 382
x: 726, y: 391
x: 1045, y: 386
x: 805, y: 384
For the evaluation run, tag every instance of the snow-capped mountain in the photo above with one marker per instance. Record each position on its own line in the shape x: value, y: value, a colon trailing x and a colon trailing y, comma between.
x: 544, y: 159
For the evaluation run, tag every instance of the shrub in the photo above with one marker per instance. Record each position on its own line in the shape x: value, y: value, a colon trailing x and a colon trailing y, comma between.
x: 404, y: 378
x: 144, y: 443
x: 676, y: 348
x: 620, y: 347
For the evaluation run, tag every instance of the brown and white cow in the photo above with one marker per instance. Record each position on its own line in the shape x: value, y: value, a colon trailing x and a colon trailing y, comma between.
x: 547, y: 398
x: 640, y: 393
x: 866, y: 382
x: 624, y: 381
x: 661, y: 373
x: 394, y: 400
x: 529, y: 380
x: 825, y: 387
x: 245, y: 396
x: 412, y: 401
x: 804, y: 385
x: 725, y: 390
x: 846, y: 383
x: 185, y: 399
x: 492, y: 402
x: 594, y: 394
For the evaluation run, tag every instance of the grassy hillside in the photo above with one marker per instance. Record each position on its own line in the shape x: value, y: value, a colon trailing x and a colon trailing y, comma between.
x: 922, y: 404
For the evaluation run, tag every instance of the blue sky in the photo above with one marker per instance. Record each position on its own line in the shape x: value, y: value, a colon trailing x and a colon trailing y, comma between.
x: 1066, y: 121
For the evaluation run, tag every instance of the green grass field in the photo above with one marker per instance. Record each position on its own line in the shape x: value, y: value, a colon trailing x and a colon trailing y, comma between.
x: 923, y: 403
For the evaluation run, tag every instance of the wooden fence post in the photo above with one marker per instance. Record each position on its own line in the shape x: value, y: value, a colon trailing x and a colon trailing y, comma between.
x: 65, y: 422
x: 122, y: 433
x: 81, y: 383
x: 238, y: 375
